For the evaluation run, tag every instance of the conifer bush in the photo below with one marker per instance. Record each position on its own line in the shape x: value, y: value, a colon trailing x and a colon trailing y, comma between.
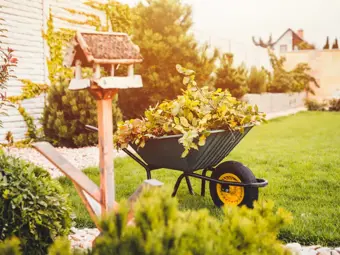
x: 257, y: 80
x: 66, y: 114
x: 232, y: 78
x: 10, y: 247
x: 160, y: 228
x: 32, y: 206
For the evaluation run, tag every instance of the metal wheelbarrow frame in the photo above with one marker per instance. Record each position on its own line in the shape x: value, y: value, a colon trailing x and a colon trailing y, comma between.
x: 165, y: 152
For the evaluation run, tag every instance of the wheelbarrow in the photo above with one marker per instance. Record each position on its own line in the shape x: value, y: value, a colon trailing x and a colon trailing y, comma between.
x: 230, y: 182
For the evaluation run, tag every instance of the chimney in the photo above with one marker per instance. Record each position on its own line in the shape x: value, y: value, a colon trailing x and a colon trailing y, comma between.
x: 300, y: 33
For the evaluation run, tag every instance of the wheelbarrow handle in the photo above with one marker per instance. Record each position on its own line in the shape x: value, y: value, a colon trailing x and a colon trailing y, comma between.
x: 91, y: 128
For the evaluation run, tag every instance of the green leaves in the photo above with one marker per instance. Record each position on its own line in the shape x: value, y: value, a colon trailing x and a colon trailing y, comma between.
x: 193, y: 114
x: 32, y: 206
x: 161, y: 228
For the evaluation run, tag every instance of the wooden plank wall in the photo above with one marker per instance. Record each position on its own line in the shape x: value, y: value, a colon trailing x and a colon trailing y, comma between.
x: 25, y: 20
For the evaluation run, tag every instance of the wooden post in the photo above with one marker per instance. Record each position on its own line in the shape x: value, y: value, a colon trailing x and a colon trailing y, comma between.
x: 96, y: 71
x: 105, y: 141
x: 112, y: 71
x: 78, y: 70
x: 130, y: 70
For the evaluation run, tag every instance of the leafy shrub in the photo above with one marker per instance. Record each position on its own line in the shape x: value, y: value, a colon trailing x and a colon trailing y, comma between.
x: 232, y: 78
x: 314, y: 105
x: 160, y: 228
x: 192, y: 114
x: 10, y: 247
x: 32, y: 205
x: 296, y: 80
x: 257, y: 80
x: 66, y: 114
x: 334, y: 105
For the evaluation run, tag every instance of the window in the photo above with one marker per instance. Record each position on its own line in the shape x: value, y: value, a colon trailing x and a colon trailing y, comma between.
x: 283, y: 48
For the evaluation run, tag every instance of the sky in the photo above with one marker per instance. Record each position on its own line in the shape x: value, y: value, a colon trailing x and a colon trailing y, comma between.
x: 230, y: 24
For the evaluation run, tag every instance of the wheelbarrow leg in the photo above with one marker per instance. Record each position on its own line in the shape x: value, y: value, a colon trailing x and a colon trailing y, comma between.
x: 148, y: 174
x: 178, y: 182
x: 189, y: 185
x: 204, y: 173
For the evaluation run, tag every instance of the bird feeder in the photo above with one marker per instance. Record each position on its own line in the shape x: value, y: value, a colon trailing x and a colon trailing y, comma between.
x: 104, y: 51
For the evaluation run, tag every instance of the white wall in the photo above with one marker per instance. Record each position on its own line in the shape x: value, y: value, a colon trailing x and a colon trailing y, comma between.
x: 276, y: 102
x: 25, y: 20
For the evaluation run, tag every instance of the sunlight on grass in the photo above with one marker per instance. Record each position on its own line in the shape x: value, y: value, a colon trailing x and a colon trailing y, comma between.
x: 298, y: 155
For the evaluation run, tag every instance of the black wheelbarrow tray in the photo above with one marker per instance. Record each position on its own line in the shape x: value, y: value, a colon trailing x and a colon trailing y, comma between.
x: 230, y: 182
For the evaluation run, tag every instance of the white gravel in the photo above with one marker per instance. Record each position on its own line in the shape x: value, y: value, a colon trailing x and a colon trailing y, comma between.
x: 80, y: 158
x: 83, y: 238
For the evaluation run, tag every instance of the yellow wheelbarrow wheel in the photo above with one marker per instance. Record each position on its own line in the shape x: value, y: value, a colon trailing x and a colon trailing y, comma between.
x: 232, y: 171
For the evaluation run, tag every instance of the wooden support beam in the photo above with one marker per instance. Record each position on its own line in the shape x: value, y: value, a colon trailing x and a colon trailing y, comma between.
x: 105, y: 141
x: 112, y: 70
x: 130, y: 70
x: 77, y: 176
x: 78, y: 75
x: 96, y: 71
x: 90, y: 208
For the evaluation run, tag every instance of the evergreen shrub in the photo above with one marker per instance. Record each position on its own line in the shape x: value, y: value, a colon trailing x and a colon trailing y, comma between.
x: 161, y: 228
x: 66, y: 114
x: 32, y: 206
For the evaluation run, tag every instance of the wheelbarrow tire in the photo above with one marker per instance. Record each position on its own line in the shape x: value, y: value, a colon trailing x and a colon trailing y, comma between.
x: 233, y: 171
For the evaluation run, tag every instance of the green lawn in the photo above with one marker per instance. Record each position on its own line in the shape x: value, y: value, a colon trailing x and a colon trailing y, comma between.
x: 299, y: 156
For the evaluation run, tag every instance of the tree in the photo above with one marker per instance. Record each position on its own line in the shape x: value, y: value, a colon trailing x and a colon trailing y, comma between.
x: 296, y: 80
x: 305, y: 46
x: 161, y: 30
x: 257, y: 80
x: 335, y: 44
x: 268, y: 44
x: 326, y: 47
x: 232, y: 78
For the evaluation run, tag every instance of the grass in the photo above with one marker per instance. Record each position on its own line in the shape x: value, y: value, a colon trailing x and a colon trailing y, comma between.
x: 299, y: 156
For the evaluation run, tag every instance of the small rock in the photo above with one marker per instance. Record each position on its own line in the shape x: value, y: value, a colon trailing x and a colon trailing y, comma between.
x: 295, y: 248
x: 93, y: 231
x: 73, y: 230
x: 308, y: 252
x: 76, y: 237
x: 324, y: 253
x: 313, y: 247
x: 81, y: 232
x: 326, y: 250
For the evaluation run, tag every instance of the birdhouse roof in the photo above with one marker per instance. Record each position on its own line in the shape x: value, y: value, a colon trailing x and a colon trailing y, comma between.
x: 102, y: 48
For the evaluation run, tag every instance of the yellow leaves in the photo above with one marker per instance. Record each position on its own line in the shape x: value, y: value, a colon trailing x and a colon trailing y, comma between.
x: 201, y: 141
x: 192, y: 114
x: 184, y: 122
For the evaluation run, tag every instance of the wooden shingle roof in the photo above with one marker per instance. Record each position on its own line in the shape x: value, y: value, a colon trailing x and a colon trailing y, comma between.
x: 102, y: 48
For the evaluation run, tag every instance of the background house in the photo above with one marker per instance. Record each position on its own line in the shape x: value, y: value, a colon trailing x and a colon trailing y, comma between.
x: 25, y: 20
x: 324, y: 63
x: 288, y: 41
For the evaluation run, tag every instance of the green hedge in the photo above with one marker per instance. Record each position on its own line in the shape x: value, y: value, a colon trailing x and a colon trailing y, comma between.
x: 33, y: 206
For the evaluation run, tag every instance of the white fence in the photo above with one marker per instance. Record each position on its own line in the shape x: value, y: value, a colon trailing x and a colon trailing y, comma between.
x: 276, y: 102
